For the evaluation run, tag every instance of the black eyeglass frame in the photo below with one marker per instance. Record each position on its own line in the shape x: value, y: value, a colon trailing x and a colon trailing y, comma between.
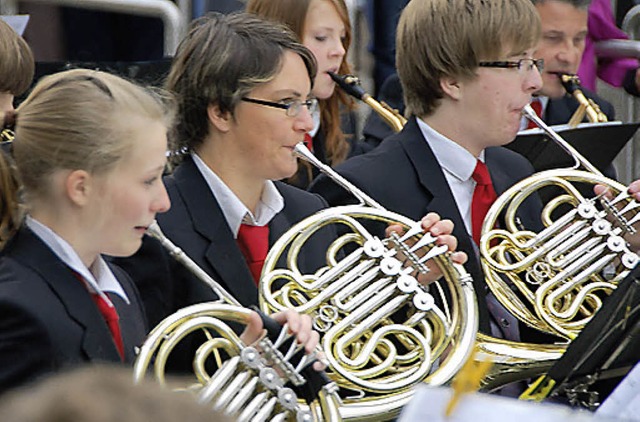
x: 515, y: 64
x: 295, y: 106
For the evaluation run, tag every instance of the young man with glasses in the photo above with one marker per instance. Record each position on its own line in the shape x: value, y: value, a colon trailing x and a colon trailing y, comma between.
x: 467, y: 70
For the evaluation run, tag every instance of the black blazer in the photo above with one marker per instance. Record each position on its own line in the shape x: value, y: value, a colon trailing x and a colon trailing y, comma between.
x: 48, y: 320
x: 197, y: 225
x: 403, y: 175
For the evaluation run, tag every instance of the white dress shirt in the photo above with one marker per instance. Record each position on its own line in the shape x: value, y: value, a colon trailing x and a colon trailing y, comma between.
x: 457, y: 164
x: 235, y: 212
x: 99, y: 277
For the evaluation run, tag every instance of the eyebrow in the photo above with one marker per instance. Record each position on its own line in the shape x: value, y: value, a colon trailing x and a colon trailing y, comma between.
x: 291, y: 92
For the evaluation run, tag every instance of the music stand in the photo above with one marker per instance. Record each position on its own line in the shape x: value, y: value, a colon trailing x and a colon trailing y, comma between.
x: 599, y: 143
x: 604, y: 352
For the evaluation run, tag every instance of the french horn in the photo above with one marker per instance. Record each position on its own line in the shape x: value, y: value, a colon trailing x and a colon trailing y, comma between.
x: 382, y: 332
x: 264, y: 381
x: 555, y: 280
x: 563, y: 263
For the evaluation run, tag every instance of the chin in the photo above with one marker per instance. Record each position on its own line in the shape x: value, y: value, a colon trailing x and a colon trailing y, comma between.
x: 325, y: 92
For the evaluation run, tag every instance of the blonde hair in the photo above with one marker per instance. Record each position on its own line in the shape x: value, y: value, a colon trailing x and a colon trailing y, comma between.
x: 77, y: 119
x: 293, y: 14
x: 440, y: 38
x: 101, y: 393
x: 16, y: 61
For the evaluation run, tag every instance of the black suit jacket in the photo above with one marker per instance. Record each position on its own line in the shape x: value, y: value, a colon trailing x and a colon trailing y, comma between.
x: 404, y: 176
x: 48, y: 320
x: 197, y: 225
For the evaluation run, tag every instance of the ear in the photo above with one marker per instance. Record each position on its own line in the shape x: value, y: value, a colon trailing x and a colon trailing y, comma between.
x: 451, y: 87
x: 219, y: 119
x: 78, y: 187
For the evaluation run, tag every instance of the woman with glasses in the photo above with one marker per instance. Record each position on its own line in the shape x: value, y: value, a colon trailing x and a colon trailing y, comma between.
x: 323, y: 27
x: 243, y: 88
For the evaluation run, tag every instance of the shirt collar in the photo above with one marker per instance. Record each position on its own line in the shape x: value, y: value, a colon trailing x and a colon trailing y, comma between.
x: 452, y: 157
x: 235, y: 212
x: 98, y: 277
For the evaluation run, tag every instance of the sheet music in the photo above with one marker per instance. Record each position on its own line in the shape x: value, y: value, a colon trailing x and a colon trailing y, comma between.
x: 429, y: 404
x: 17, y: 22
x: 624, y: 401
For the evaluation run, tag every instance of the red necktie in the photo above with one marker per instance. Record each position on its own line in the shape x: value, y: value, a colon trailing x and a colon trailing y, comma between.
x: 536, y: 105
x: 308, y: 142
x: 254, y: 245
x: 109, y: 314
x: 483, y: 196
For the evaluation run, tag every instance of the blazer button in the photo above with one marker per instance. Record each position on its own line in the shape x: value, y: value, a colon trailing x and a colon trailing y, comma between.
x: 504, y: 322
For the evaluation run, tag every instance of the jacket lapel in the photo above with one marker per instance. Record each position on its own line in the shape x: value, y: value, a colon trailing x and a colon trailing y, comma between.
x: 33, y: 253
x: 433, y: 181
x: 222, y: 258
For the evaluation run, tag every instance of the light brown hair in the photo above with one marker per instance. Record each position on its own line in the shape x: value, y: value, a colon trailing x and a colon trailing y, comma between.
x: 440, y: 38
x: 293, y: 14
x: 101, y: 393
x: 16, y: 61
x: 77, y: 119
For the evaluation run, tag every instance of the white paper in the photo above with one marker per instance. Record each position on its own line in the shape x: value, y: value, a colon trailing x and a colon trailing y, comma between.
x: 17, y: 22
x: 624, y: 401
x: 429, y: 404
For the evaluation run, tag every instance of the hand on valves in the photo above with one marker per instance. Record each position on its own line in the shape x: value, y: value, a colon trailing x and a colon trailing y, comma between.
x: 441, y: 230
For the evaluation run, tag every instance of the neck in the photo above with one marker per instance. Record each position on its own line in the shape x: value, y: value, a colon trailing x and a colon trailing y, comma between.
x: 234, y: 172
x: 441, y: 121
x: 71, y: 227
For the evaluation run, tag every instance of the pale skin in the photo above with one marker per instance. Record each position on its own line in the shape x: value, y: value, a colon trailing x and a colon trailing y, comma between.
x: 108, y: 213
x: 324, y: 34
x: 564, y: 32
x: 494, y: 95
x: 6, y: 102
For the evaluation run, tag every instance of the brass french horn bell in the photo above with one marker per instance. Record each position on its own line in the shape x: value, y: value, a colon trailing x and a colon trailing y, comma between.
x: 556, y: 280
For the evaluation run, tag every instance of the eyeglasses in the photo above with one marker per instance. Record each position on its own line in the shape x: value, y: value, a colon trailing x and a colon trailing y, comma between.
x: 521, y: 65
x: 292, y: 107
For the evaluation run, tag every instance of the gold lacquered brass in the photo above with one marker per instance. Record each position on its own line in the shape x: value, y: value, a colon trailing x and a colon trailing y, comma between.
x: 555, y: 280
x: 587, y: 106
x: 351, y: 85
x: 381, y: 331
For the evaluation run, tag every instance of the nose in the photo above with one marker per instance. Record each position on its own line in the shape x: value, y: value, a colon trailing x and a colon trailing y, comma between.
x: 162, y: 203
x: 534, y: 80
x: 304, y: 121
x: 338, y: 49
x: 569, y: 55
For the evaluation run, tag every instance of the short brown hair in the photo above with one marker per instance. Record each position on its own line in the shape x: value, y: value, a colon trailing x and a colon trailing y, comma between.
x: 16, y: 61
x: 440, y: 38
x: 223, y: 58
